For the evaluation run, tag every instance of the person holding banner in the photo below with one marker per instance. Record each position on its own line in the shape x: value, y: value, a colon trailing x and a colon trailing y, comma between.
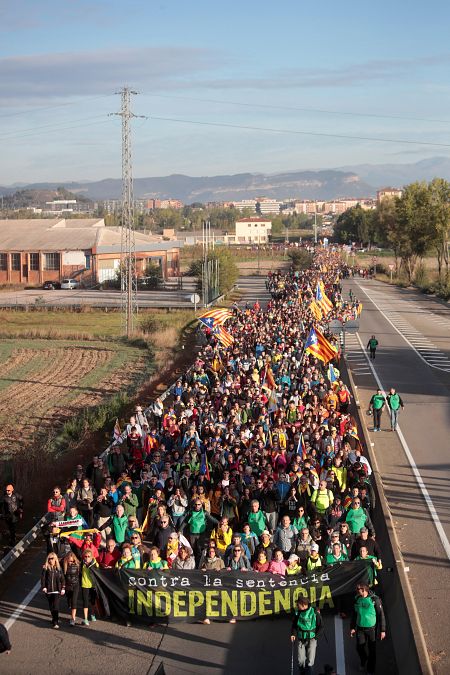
x: 306, y: 628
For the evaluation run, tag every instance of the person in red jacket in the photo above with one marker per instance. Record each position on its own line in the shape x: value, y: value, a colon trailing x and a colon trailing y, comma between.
x: 57, y: 503
x: 109, y: 555
x: 91, y: 542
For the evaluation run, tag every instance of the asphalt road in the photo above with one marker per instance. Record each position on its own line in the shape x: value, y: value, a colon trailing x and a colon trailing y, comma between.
x: 413, y: 356
x: 263, y: 645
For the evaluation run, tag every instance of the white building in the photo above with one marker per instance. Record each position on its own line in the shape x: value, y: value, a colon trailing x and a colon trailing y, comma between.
x: 266, y: 206
x: 246, y: 204
x: 253, y: 231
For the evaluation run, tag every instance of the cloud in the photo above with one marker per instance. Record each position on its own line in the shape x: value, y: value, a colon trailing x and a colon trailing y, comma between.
x: 36, y: 78
x: 347, y: 75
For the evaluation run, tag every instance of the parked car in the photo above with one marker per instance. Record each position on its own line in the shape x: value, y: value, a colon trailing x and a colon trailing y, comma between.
x: 69, y: 284
x: 51, y: 285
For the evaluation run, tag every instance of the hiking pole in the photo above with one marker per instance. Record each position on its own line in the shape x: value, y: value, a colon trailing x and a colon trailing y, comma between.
x: 292, y: 657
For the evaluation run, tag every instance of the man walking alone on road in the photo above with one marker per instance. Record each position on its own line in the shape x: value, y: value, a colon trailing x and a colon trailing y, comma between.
x: 372, y: 346
x: 394, y: 402
x: 306, y: 626
x: 367, y: 619
x: 376, y: 408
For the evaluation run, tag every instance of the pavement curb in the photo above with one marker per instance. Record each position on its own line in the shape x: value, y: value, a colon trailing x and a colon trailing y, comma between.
x: 425, y: 665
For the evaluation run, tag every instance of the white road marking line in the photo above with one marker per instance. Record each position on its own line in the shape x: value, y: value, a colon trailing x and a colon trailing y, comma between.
x: 339, y: 640
x: 400, y: 333
x: 26, y: 601
x: 426, y: 495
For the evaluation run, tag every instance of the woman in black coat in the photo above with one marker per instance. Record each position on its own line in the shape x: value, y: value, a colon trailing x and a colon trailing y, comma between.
x: 53, y: 585
x: 71, y: 567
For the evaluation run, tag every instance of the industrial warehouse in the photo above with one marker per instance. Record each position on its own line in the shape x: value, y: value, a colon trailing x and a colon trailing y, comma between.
x: 33, y: 251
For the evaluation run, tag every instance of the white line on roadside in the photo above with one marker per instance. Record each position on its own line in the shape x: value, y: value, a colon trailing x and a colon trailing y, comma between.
x: 400, y: 333
x: 339, y: 640
x: 426, y: 495
x: 18, y: 611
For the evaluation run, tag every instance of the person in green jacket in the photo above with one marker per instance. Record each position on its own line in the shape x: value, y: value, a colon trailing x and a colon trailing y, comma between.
x: 376, y: 406
x: 357, y: 517
x: 372, y: 346
x: 257, y: 519
x: 119, y: 524
x: 367, y: 619
x: 373, y: 565
x: 322, y: 498
x: 129, y: 501
x: 394, y: 402
x: 195, y: 525
x: 306, y: 627
x: 337, y: 555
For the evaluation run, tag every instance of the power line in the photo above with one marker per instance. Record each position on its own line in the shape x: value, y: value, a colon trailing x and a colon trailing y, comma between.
x: 48, y: 127
x: 55, y: 105
x: 301, y: 133
x: 298, y: 109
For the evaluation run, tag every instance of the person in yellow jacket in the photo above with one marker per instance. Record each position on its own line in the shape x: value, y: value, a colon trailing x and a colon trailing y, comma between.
x: 322, y: 498
x: 313, y: 561
x: 340, y: 472
x: 222, y: 535
x: 88, y: 591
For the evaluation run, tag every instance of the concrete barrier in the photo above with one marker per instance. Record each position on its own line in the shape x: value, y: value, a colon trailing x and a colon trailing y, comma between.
x: 403, y: 619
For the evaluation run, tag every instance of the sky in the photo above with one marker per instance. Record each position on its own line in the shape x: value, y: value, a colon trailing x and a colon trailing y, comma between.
x: 222, y: 87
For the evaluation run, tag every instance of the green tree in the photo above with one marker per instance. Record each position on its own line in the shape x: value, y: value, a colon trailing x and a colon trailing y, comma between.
x: 413, y: 232
x: 356, y: 224
x: 228, y: 271
x: 300, y: 259
x: 439, y: 217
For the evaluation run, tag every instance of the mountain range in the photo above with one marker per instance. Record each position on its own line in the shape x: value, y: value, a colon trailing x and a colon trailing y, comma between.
x: 349, y: 181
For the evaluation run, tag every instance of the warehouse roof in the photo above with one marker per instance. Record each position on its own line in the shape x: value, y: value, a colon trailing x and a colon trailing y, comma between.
x: 73, y: 234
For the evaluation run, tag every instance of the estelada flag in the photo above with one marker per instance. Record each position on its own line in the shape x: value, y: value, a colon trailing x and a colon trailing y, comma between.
x: 317, y: 345
x: 215, y: 317
x: 301, y: 447
x: 268, y: 380
x: 322, y: 300
x: 315, y: 310
x: 224, y: 337
x: 117, y: 433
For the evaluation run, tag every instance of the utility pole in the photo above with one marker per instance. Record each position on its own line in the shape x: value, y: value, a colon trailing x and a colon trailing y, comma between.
x: 128, y: 276
x: 315, y: 222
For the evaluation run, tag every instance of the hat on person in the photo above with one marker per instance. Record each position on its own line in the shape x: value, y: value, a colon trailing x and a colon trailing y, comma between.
x: 314, y: 547
x: 293, y: 557
x: 266, y: 532
x: 364, y: 529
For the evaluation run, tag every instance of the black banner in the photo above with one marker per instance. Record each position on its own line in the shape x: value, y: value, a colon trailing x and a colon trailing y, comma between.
x: 155, y: 596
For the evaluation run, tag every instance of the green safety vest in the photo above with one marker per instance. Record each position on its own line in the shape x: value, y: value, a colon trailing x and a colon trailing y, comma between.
x: 306, y: 624
x: 322, y: 499
x: 366, y: 615
x: 197, y: 522
x: 377, y: 401
x: 313, y: 564
x: 257, y: 522
x: 394, y: 401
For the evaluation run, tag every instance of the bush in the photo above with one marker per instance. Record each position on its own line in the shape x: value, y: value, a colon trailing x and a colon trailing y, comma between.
x: 150, y: 324
x: 300, y: 259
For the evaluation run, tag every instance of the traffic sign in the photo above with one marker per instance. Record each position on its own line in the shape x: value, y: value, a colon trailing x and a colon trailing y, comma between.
x: 194, y: 298
x: 335, y: 327
x: 351, y: 326
x: 391, y: 266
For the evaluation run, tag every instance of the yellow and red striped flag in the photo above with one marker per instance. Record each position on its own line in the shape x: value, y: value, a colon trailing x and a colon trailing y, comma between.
x: 315, y: 310
x: 322, y: 300
x: 224, y: 337
x: 318, y: 346
x: 215, y: 317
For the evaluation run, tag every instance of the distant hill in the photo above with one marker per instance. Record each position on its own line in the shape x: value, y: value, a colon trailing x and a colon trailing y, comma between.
x: 397, y: 175
x: 300, y: 184
x: 350, y: 181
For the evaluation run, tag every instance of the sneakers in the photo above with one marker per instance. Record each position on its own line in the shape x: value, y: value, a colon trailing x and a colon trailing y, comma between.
x: 55, y: 625
x: 93, y: 618
x: 206, y: 621
x: 72, y: 622
x: 85, y: 622
x: 232, y: 620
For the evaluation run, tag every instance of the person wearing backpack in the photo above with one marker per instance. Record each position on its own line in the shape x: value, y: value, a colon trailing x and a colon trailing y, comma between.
x: 306, y: 627
x: 367, y: 620
x: 322, y: 498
